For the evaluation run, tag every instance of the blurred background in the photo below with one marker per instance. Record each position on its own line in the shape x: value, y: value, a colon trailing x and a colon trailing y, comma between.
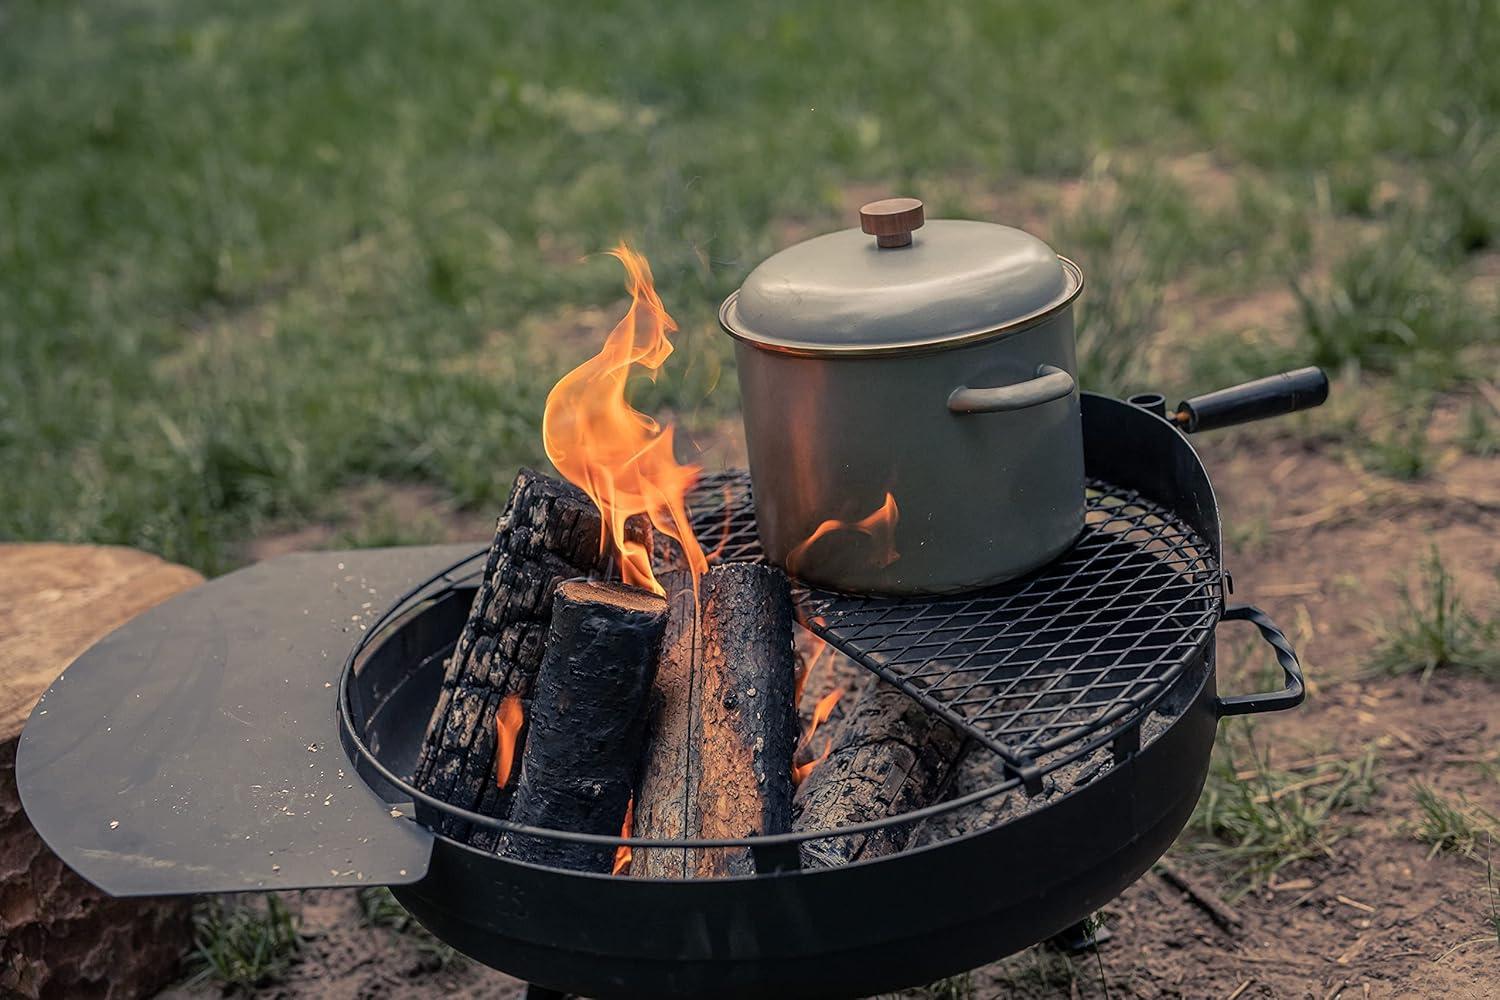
x: 256, y: 256
x: 279, y: 275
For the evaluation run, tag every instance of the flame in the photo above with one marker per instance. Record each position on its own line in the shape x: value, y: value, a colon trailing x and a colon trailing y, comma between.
x: 621, y: 457
x: 622, y: 853
x: 725, y: 528
x: 879, y: 526
x: 507, y: 726
x: 821, y: 712
x: 806, y: 672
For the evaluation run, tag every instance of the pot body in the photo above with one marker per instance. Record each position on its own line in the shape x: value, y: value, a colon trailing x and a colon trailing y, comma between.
x: 980, y: 497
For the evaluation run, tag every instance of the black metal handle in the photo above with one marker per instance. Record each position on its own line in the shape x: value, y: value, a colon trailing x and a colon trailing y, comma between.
x: 1268, y: 701
x: 1265, y: 397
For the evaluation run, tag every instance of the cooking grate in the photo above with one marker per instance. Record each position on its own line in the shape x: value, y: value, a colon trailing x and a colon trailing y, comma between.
x: 1085, y: 646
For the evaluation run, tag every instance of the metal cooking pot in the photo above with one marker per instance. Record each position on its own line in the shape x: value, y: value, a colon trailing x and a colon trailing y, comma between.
x: 911, y: 403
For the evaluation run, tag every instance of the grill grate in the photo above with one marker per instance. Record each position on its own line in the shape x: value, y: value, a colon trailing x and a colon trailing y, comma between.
x: 1029, y: 667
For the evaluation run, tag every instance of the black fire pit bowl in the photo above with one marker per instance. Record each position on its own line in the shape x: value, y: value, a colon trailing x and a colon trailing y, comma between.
x: 213, y: 744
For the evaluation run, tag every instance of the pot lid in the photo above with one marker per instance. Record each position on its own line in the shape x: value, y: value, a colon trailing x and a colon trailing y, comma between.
x: 954, y: 281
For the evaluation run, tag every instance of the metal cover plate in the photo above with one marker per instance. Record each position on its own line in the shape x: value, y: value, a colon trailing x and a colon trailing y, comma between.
x: 196, y: 749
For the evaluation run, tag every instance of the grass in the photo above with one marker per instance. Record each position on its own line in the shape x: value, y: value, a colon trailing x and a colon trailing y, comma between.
x: 1390, y: 308
x: 1041, y: 969
x: 1479, y: 436
x: 255, y: 252
x: 378, y: 908
x: 1401, y: 450
x: 1454, y: 826
x: 1434, y: 629
x: 959, y: 987
x: 1253, y: 820
x: 1492, y: 897
x: 243, y: 944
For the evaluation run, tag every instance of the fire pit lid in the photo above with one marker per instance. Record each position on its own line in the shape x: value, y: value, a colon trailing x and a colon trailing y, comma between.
x: 197, y: 748
x: 915, y: 285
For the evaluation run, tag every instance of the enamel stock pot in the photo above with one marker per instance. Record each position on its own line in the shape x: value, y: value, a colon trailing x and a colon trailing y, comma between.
x: 911, y: 403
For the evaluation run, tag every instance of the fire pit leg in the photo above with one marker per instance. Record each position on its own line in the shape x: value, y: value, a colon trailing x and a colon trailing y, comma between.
x: 1086, y: 935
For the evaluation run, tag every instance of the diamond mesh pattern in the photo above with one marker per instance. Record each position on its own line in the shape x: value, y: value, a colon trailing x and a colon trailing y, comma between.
x: 724, y: 518
x: 1084, y: 645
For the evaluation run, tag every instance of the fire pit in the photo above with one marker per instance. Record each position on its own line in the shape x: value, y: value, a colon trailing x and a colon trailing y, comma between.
x: 261, y: 731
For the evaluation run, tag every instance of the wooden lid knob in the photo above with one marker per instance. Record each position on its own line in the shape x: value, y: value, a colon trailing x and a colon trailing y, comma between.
x: 891, y: 220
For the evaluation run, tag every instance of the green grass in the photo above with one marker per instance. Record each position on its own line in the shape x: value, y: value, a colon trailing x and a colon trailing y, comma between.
x: 1434, y: 629
x: 1492, y: 898
x: 959, y: 987
x: 378, y: 908
x: 1401, y: 449
x: 251, y: 253
x: 1253, y: 820
x: 1390, y: 308
x: 1451, y: 825
x: 1478, y: 435
x: 243, y: 944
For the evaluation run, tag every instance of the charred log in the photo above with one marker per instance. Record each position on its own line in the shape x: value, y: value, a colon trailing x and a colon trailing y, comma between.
x: 747, y: 708
x: 889, y: 756
x: 549, y: 531
x: 724, y: 723
x: 588, y: 722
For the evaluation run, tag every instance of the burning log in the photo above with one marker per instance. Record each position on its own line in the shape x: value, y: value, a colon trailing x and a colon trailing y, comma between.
x: 549, y: 531
x: 588, y: 722
x: 724, y: 731
x: 662, y: 800
x: 889, y: 756
x: 747, y: 710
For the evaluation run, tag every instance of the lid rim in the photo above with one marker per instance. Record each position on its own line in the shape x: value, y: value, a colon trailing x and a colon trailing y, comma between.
x: 920, y: 345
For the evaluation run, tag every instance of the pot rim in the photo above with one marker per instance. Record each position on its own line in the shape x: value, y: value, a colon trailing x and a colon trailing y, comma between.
x: 920, y: 345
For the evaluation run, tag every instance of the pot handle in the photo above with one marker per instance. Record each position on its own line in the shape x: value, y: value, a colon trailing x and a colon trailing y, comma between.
x: 1049, y: 383
x: 1289, y: 696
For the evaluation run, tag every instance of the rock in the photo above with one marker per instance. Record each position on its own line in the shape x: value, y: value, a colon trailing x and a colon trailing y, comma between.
x: 60, y: 937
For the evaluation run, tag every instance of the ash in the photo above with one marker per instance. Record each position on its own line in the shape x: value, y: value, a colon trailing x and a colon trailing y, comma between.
x: 979, y: 769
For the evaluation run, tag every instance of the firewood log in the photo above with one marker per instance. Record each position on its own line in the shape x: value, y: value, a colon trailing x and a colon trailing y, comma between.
x: 588, y: 722
x: 667, y: 774
x: 889, y: 756
x: 725, y: 724
x: 549, y: 531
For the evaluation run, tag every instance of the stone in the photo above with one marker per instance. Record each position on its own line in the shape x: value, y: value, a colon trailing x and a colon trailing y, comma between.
x: 59, y: 936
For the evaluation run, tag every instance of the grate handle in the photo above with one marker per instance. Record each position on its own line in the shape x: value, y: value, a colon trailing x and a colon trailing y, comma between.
x: 1265, y: 397
x: 1289, y: 696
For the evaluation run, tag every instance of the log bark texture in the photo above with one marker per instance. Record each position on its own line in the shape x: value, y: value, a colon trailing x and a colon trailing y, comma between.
x: 889, y: 756
x: 725, y: 724
x: 664, y: 797
x: 748, y: 710
x: 549, y: 531
x: 59, y: 936
x: 588, y: 722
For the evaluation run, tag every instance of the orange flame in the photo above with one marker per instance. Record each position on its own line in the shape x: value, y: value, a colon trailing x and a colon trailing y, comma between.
x: 806, y: 672
x: 821, y: 712
x: 879, y: 526
x: 621, y: 457
x: 507, y: 727
x: 725, y: 532
x: 622, y: 853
